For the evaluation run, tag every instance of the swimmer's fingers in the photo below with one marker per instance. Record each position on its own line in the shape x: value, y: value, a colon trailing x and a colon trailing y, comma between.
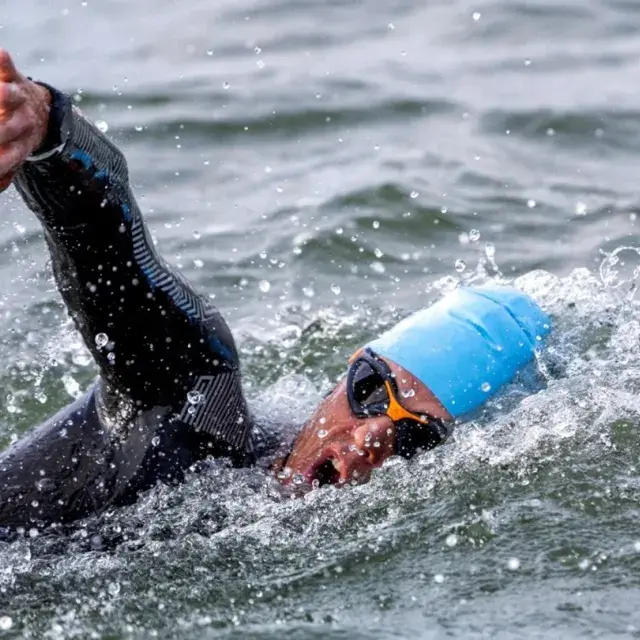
x: 12, y: 155
x: 6, y: 181
x: 8, y: 71
x: 14, y: 121
x: 11, y: 97
x: 17, y: 126
x: 14, y: 125
x: 24, y: 117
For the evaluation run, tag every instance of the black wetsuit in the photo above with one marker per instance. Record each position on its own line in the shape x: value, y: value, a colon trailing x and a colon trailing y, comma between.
x: 169, y: 391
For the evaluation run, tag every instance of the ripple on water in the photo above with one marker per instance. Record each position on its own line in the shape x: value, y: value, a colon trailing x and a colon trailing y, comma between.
x: 525, y: 490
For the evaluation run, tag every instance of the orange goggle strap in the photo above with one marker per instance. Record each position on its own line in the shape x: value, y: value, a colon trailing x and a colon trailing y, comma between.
x: 396, y: 411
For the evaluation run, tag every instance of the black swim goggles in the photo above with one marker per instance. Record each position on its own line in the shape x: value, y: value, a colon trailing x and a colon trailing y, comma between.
x: 372, y: 391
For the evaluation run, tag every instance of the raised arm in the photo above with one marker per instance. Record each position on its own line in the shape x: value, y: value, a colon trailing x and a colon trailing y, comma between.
x: 169, y: 391
x: 148, y: 331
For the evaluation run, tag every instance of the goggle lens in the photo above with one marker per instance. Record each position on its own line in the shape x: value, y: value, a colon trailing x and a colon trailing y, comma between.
x: 368, y: 388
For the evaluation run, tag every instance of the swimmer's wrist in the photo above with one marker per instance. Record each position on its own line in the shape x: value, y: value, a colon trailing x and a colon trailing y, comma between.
x: 59, y: 124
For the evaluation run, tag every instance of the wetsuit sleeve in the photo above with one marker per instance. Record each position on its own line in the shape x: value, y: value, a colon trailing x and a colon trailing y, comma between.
x: 160, y: 347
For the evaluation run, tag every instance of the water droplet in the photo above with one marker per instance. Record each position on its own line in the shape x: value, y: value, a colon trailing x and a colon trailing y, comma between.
x: 452, y: 540
x: 45, y: 484
x: 284, y: 474
x: 474, y: 235
x: 264, y: 286
x: 225, y: 85
x: 101, y: 340
x: 209, y: 52
x: 531, y: 204
x: 409, y: 393
x: 486, y: 387
x: 439, y: 578
x: 335, y: 288
x: 111, y: 357
x: 476, y: 16
x: 6, y: 623
x: 413, y: 195
x: 375, y: 224
x: 102, y: 126
x: 581, y: 209
x: 194, y: 397
x: 298, y: 478
x: 323, y: 433
x: 513, y: 564
x: 377, y: 266
x: 114, y: 588
x: 96, y: 542
x: 197, y: 235
x: 198, y: 264
x: 460, y: 265
x: 155, y: 441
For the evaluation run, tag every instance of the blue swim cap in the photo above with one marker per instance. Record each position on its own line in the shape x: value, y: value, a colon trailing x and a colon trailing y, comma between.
x: 468, y: 344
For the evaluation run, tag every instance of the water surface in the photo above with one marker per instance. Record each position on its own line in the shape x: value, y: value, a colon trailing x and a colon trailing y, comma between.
x: 337, y: 164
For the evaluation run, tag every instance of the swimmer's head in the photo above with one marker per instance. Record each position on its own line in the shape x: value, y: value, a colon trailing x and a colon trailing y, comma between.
x: 404, y: 390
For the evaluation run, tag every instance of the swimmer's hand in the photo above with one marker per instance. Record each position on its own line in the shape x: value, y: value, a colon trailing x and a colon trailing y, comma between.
x: 24, y: 117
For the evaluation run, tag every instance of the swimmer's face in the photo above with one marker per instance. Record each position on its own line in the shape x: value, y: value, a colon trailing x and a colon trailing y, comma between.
x: 336, y: 447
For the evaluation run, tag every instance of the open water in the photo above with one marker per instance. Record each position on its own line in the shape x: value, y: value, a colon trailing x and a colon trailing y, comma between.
x: 322, y: 168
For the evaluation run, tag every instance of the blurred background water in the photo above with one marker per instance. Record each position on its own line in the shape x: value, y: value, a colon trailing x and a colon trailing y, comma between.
x: 320, y: 169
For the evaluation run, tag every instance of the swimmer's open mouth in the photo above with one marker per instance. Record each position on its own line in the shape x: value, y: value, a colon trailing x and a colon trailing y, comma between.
x: 326, y: 472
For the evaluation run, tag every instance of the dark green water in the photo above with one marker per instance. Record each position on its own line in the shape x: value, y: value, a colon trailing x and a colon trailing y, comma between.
x: 329, y: 162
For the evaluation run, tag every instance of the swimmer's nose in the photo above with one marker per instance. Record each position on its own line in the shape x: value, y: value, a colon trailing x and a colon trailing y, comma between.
x: 376, y: 437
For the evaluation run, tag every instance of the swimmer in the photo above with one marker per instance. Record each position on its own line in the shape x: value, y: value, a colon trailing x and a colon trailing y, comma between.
x: 169, y: 391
